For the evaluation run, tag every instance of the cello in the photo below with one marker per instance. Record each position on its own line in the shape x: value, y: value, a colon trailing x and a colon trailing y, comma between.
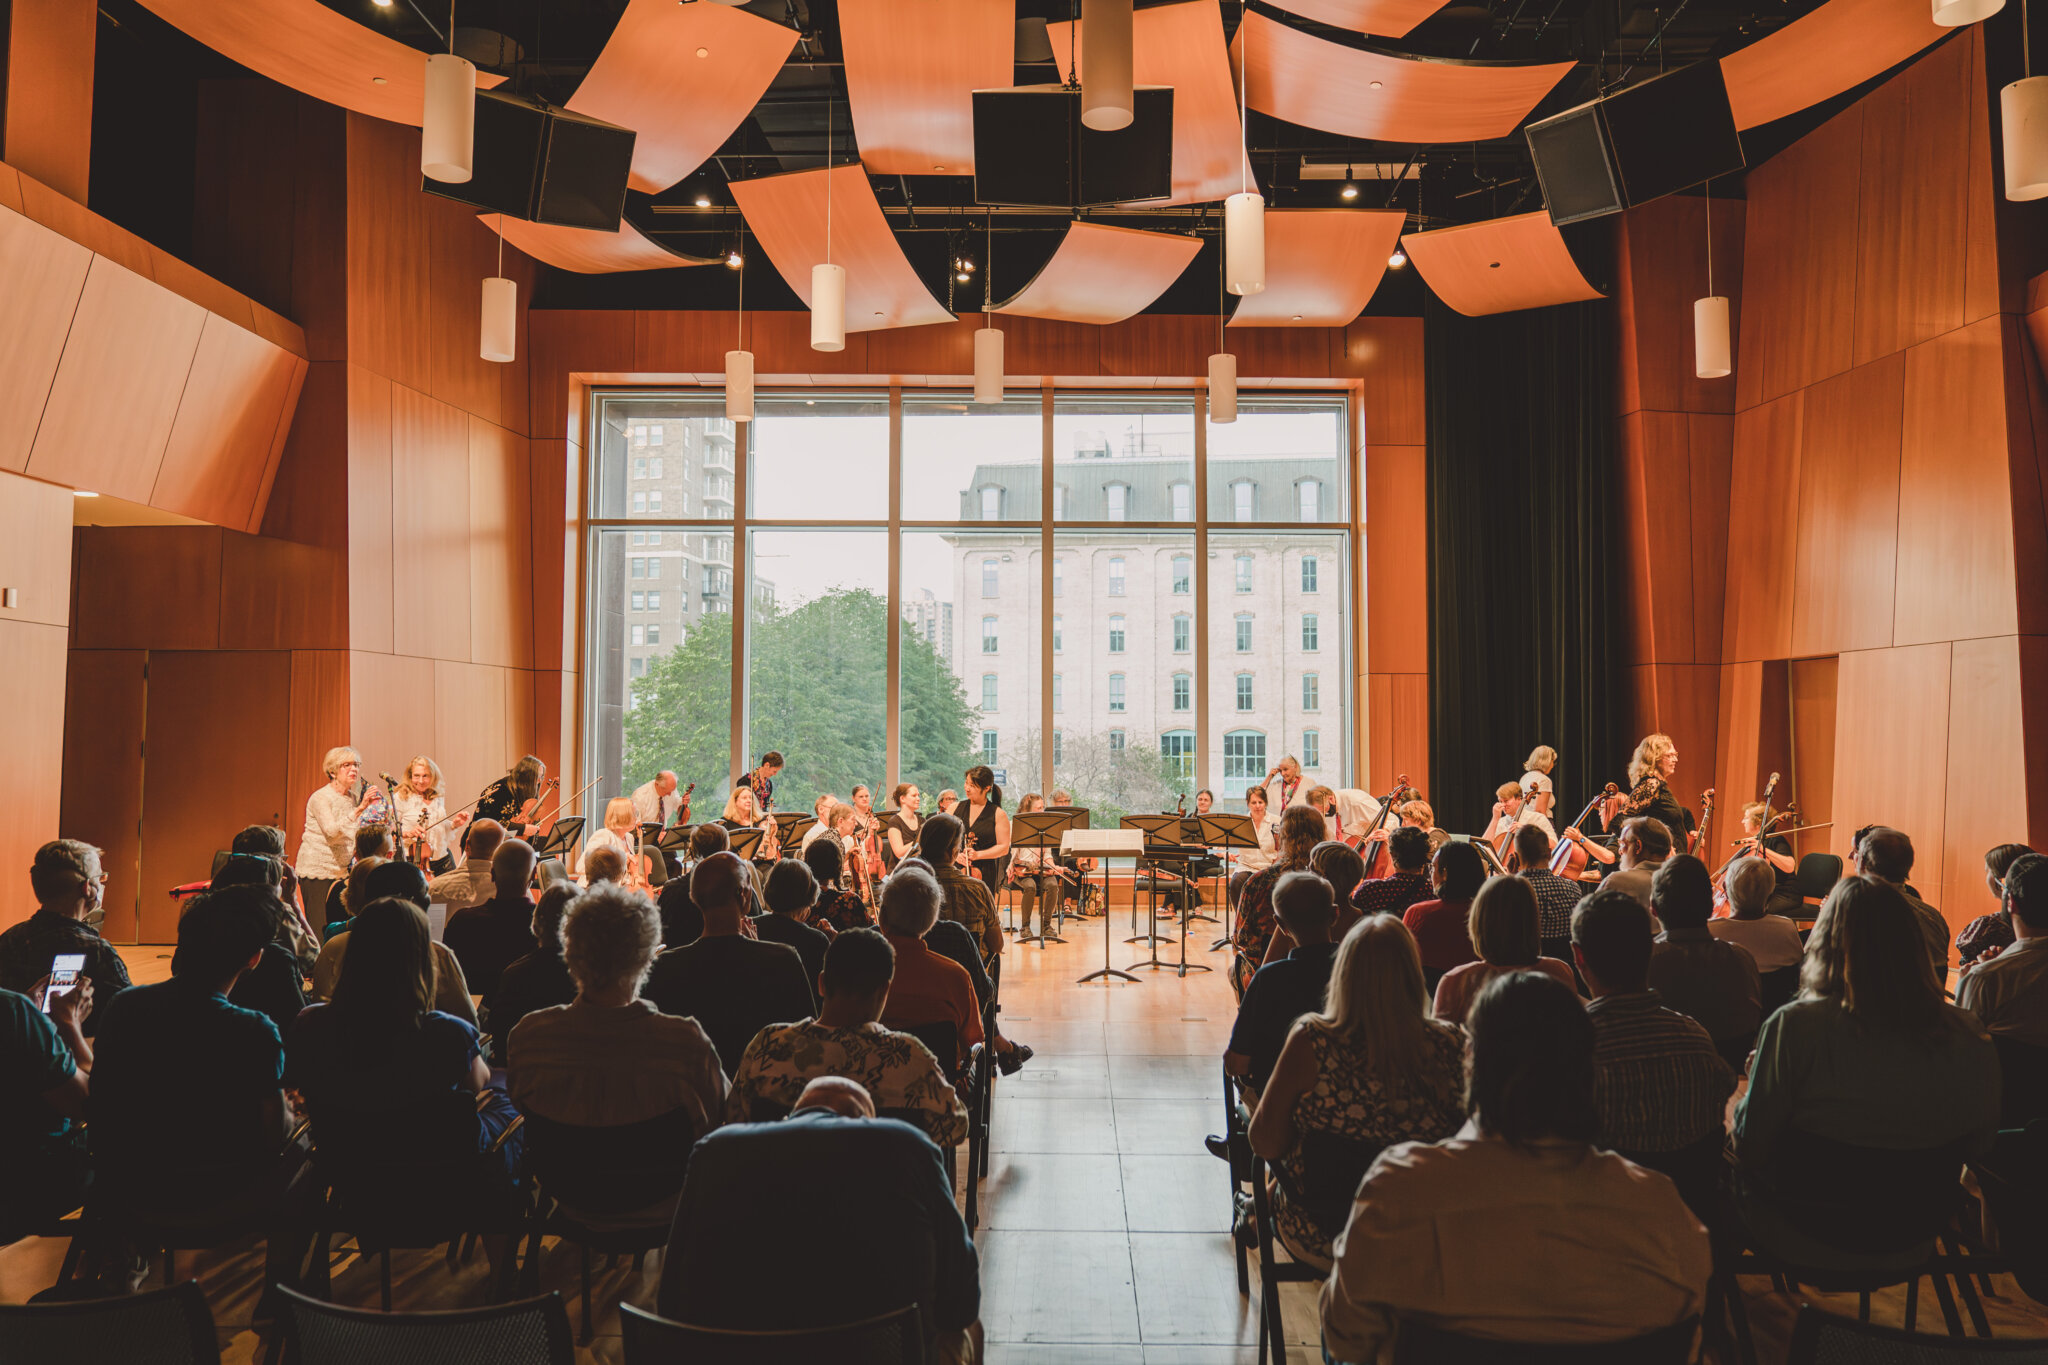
x: 1569, y: 858
x: 1380, y: 862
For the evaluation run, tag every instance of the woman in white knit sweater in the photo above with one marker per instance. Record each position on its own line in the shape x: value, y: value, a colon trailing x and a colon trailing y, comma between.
x: 328, y: 844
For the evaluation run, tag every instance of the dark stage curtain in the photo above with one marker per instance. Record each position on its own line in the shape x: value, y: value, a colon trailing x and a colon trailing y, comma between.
x: 1525, y: 556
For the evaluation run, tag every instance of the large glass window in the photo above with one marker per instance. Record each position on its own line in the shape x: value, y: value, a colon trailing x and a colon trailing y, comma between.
x: 819, y: 458
x: 1244, y: 762
x: 957, y: 453
x: 1283, y: 459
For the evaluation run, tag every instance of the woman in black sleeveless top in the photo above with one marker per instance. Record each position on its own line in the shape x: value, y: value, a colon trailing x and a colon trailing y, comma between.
x: 899, y: 831
x: 988, y: 828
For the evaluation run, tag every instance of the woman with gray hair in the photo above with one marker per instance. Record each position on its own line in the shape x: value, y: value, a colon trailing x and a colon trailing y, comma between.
x: 329, y: 843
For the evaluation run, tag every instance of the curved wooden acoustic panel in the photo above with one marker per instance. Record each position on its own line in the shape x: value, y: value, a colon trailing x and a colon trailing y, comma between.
x: 1842, y: 44
x: 586, y: 251
x: 314, y: 50
x: 1500, y: 265
x: 1321, y: 266
x: 787, y: 213
x: 682, y: 77
x: 1360, y: 93
x: 912, y: 67
x: 1388, y: 18
x: 1182, y: 46
x: 1103, y: 274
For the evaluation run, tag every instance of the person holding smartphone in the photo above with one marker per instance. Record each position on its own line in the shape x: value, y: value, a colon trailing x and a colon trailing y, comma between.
x: 69, y: 888
x: 45, y: 1062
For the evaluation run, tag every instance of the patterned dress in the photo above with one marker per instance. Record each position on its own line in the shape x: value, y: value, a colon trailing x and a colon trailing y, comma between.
x: 843, y: 910
x: 1256, y: 922
x: 1348, y: 1100
x: 898, y: 1071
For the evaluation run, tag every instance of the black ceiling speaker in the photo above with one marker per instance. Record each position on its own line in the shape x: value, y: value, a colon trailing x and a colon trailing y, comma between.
x: 535, y: 160
x: 1031, y: 148
x: 1638, y: 144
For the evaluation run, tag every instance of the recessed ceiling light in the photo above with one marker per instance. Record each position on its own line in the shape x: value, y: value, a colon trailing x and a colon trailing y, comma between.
x: 378, y: 80
x: 81, y: 493
x: 1297, y: 317
x: 961, y: 276
x: 734, y: 260
x: 703, y: 52
x: 703, y: 201
x: 1493, y: 265
x: 940, y: 169
x: 1398, y: 259
x: 1348, y: 192
x: 1376, y: 84
x: 381, y: 4
x: 878, y: 312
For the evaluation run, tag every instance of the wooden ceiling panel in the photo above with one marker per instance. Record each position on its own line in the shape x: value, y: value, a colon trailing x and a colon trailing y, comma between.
x: 1359, y: 93
x: 682, y: 77
x: 1500, y: 265
x: 1322, y: 266
x: 788, y: 214
x: 1388, y: 18
x: 1182, y: 46
x: 912, y: 67
x: 313, y: 49
x: 1834, y: 48
x: 1103, y: 274
x: 586, y: 250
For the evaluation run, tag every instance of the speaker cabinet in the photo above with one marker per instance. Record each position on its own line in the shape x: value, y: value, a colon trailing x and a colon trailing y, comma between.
x: 1638, y: 144
x: 534, y: 160
x: 1031, y: 148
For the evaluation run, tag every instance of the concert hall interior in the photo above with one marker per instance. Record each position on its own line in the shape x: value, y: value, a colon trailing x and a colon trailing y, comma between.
x: 1001, y: 618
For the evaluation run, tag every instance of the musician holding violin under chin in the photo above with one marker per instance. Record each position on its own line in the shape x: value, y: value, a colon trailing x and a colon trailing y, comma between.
x: 514, y: 799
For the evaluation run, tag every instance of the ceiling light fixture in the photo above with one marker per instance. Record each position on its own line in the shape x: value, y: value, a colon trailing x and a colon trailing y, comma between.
x: 1959, y: 13
x: 828, y: 281
x: 1106, y: 94
x: 733, y: 259
x: 499, y: 335
x: 81, y: 493
x: 1244, y: 214
x: 2023, y: 115
x: 703, y: 52
x: 988, y: 338
x: 1710, y: 349
x: 1350, y: 190
x: 703, y: 200
x: 1397, y: 260
x: 381, y: 4
x: 448, y: 114
x: 1222, y: 365
x: 739, y: 362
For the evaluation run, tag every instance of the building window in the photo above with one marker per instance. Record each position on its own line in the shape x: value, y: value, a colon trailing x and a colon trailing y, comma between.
x: 1308, y: 573
x: 639, y: 601
x: 685, y: 496
x: 1059, y: 502
x: 653, y: 634
x: 1116, y: 634
x: 1059, y: 633
x: 1311, y: 692
x: 1183, y: 634
x: 654, y: 602
x: 637, y: 635
x: 1116, y: 691
x: 991, y: 504
x: 1244, y: 761
x: 1311, y: 632
x: 1116, y: 741
x: 653, y: 567
x: 1059, y: 693
x: 1116, y: 576
x: 988, y: 691
x: 1244, y: 573
x: 1117, y: 498
x: 1308, y: 496
x: 654, y: 468
x: 640, y: 467
x: 988, y: 747
x: 988, y: 634
x: 1183, y: 575
x: 1244, y: 501
x: 1059, y: 747
x: 639, y: 537
x: 1177, y: 747
x: 1243, y: 626
x: 639, y: 504
x: 989, y: 586
x: 654, y: 502
x: 638, y: 667
x: 1183, y: 691
x: 1059, y: 576
x: 1244, y: 691
x: 1311, y: 749
x: 1183, y: 502
x: 654, y: 539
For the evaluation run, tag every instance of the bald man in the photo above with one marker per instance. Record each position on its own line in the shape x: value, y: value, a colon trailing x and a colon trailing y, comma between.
x: 730, y: 982
x: 488, y: 938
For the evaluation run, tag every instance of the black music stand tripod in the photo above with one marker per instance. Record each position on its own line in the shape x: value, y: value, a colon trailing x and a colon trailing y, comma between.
x: 1162, y: 834
x: 1042, y: 830
x: 1233, y: 834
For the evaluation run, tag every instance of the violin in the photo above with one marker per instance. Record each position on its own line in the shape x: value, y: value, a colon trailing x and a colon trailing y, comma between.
x: 1569, y: 858
x: 530, y: 807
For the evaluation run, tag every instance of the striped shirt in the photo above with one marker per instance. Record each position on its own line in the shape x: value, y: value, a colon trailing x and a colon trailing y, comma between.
x: 1658, y: 1082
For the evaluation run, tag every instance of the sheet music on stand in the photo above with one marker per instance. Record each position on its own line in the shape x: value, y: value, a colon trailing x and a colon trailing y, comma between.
x: 676, y: 839
x: 791, y: 829
x: 745, y: 842
x: 1106, y: 844
x: 1045, y: 829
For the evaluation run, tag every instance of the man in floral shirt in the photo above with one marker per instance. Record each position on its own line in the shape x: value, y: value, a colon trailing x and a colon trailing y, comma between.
x: 847, y: 1039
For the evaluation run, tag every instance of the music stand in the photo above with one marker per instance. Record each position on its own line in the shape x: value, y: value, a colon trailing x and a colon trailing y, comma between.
x: 675, y: 839
x: 1231, y: 833
x: 1042, y: 829
x: 557, y: 842
x: 1191, y: 836
x: 1106, y: 844
x: 744, y: 842
x: 791, y: 829
x: 1487, y: 856
x: 1162, y: 833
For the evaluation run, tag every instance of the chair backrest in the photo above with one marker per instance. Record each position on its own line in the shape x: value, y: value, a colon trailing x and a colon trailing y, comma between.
x: 1417, y: 1343
x: 1865, y: 1199
x: 603, y: 1171
x: 892, y: 1338
x: 1780, y: 984
x: 2023, y: 1068
x: 1818, y: 873
x: 163, y: 1327
x: 1332, y: 1167
x: 1823, y: 1339
x: 527, y: 1332
x: 942, y: 1037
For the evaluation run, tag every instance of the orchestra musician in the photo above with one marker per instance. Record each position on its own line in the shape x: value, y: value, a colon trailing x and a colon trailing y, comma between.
x: 1537, y: 800
x: 988, y: 827
x: 947, y: 800
x: 333, y: 814
x: 821, y: 821
x: 1775, y: 850
x: 1323, y: 801
x: 867, y: 834
x: 1038, y: 877
x: 420, y: 815
x: 1541, y: 759
x: 621, y: 833
x: 761, y: 781
x: 1507, y: 812
x: 514, y: 799
x: 1650, y: 775
x: 741, y: 813
x: 656, y: 802
x: 901, y: 829
x: 1283, y: 782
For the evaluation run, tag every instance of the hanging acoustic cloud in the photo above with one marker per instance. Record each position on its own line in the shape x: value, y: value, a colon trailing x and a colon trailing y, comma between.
x: 1957, y: 13
x: 1244, y: 242
x: 739, y: 386
x: 1710, y: 348
x: 448, y: 119
x: 500, y: 340
x: 2023, y: 110
x: 988, y: 365
x: 1222, y: 388
x: 828, y: 307
x: 1106, y: 84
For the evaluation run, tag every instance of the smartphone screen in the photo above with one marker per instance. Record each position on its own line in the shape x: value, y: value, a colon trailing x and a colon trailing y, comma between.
x: 65, y: 969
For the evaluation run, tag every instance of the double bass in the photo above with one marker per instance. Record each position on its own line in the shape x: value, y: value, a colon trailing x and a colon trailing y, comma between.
x: 1569, y: 858
x: 1380, y: 861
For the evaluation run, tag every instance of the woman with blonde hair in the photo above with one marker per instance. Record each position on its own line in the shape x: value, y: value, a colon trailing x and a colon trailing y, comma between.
x: 1650, y: 774
x: 327, y: 847
x: 1370, y: 1070
x: 1504, y: 922
x: 1541, y: 759
x: 741, y: 812
x: 418, y: 813
x: 621, y: 832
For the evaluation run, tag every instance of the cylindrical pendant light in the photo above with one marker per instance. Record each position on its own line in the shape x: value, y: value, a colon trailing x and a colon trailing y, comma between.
x: 448, y: 119
x: 1710, y: 349
x: 2023, y: 109
x: 1106, y: 64
x: 828, y: 307
x: 1244, y: 243
x: 739, y: 386
x: 988, y: 365
x: 1957, y: 13
x: 500, y: 319
x: 1222, y: 387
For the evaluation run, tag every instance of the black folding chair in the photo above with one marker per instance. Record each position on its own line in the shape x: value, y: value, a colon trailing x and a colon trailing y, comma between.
x: 162, y: 1327
x: 1338, y: 1164
x: 1823, y: 1339
x: 1418, y: 1343
x: 529, y: 1332
x: 893, y: 1338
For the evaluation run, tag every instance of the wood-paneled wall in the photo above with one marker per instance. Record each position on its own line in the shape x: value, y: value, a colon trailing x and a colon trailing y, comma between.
x: 35, y: 561
x: 1884, y: 524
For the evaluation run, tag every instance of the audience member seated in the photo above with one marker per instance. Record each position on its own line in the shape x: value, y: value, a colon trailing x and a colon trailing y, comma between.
x: 847, y: 1039
x: 534, y: 982
x: 1301, y: 829
x: 1407, y: 885
x: 791, y: 892
x: 1503, y: 923
x: 950, y: 940
x: 1284, y: 990
x: 69, y: 889
x: 187, y: 1114
x: 837, y: 907
x: 272, y: 987
x: 854, y: 1213
x: 45, y: 1066
x: 1369, y: 1069
x: 1887, y: 854
x: 1643, y: 846
x: 1556, y: 896
x: 1772, y: 940
x: 608, y: 1058
x: 926, y: 988
x: 267, y: 841
x: 403, y: 880
x: 731, y: 984
x: 1995, y: 929
x: 681, y: 921
x: 488, y: 938
x: 1867, y: 1093
x: 2007, y: 989
x: 353, y: 889
x: 470, y: 884
x: 1442, y: 928
x: 1340, y: 866
x: 1532, y: 1233
x: 604, y: 865
x: 967, y: 897
x: 1694, y: 972
x: 1659, y: 1084
x: 270, y: 873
